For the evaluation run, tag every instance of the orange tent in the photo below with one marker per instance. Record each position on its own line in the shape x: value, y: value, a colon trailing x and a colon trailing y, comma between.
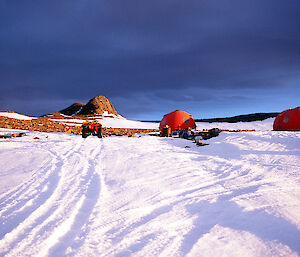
x: 288, y: 120
x: 177, y: 120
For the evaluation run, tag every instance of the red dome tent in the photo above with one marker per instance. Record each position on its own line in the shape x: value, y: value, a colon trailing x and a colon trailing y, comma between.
x: 288, y: 120
x: 177, y: 120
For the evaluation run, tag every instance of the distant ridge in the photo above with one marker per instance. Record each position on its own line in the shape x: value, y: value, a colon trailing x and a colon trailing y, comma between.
x: 240, y: 118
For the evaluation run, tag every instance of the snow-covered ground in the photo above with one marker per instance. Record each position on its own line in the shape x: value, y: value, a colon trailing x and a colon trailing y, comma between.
x: 112, y: 123
x: 15, y: 116
x: 61, y: 195
x: 123, y: 123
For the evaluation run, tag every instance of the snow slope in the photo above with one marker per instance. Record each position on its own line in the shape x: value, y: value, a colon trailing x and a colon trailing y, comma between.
x: 61, y: 195
x: 15, y: 115
x: 113, y: 123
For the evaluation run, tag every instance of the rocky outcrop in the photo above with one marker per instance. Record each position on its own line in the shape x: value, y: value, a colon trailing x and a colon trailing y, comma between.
x: 41, y: 124
x: 44, y: 124
x: 72, y: 109
x: 97, y: 106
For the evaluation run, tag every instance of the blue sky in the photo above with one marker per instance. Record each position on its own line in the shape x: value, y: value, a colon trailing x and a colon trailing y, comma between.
x: 210, y: 58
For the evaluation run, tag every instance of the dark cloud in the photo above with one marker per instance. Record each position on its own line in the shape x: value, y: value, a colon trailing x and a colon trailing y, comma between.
x: 169, y: 53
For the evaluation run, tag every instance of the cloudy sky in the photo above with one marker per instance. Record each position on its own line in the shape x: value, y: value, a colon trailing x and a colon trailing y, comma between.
x: 212, y: 58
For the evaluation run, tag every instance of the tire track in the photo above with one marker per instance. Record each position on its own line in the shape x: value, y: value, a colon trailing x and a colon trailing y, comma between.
x: 20, y: 224
x: 65, y: 210
x: 38, y: 183
x: 215, y: 178
x: 11, y: 200
x: 40, y: 175
x: 81, y: 214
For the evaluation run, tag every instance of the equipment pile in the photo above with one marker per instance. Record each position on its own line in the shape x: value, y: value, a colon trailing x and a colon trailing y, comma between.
x: 22, y: 134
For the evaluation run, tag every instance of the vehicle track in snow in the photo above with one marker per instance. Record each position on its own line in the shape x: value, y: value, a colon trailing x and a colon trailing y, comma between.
x: 159, y: 195
x: 152, y: 196
x: 43, y: 210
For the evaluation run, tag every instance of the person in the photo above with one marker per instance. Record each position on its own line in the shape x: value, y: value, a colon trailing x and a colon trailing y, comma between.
x: 169, y: 131
x: 166, y: 132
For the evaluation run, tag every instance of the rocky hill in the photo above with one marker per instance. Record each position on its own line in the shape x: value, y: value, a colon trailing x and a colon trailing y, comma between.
x: 72, y: 109
x: 96, y: 106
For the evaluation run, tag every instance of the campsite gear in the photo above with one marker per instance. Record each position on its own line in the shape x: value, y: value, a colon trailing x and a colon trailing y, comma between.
x: 187, y: 134
x: 13, y: 135
x: 175, y: 133
x: 177, y: 120
x: 91, y: 128
x: 5, y: 136
x: 181, y: 133
x: 214, y: 132
x: 288, y: 120
x: 197, y: 138
x: 199, y: 142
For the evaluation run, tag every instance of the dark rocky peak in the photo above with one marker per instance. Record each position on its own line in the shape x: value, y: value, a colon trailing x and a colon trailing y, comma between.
x: 72, y: 109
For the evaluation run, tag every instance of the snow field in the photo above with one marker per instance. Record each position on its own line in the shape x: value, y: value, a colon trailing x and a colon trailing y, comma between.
x: 15, y: 115
x: 150, y: 196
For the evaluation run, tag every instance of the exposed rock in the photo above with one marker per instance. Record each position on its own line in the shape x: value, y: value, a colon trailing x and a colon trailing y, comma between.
x: 72, y: 109
x: 97, y: 106
x: 45, y: 124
